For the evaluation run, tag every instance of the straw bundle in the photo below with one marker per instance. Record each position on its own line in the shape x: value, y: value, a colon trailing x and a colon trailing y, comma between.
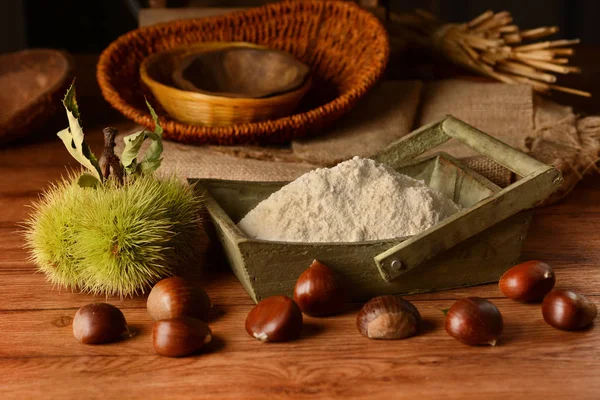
x: 492, y: 46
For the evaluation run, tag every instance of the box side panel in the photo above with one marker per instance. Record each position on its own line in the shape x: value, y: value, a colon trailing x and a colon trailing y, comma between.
x: 453, y: 182
x: 227, y: 234
x: 481, y: 259
x: 478, y: 260
x: 238, y: 198
x: 421, y: 171
x: 274, y: 268
x: 231, y: 248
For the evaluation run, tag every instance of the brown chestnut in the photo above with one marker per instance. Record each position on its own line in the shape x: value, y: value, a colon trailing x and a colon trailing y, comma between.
x: 176, y: 297
x: 528, y: 282
x: 568, y: 310
x: 99, y: 323
x: 388, y: 317
x: 318, y: 292
x: 181, y: 336
x: 275, y: 319
x: 474, y: 321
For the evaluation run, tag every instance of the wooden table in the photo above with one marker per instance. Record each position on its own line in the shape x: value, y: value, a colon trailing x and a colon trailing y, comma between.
x: 39, y: 358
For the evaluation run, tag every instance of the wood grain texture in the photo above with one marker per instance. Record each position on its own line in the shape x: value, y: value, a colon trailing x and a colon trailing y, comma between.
x: 39, y: 358
x: 329, y: 360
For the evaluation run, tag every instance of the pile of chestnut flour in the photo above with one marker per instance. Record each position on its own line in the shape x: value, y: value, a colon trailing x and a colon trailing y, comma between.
x: 354, y: 201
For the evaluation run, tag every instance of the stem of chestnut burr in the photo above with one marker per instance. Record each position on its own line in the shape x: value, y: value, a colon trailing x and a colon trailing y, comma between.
x: 111, y: 161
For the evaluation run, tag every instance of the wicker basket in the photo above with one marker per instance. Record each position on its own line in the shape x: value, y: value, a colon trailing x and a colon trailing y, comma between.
x: 33, y: 82
x: 346, y: 47
x: 208, y: 109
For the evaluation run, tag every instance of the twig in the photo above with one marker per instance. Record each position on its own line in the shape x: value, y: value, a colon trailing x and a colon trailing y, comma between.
x: 512, y: 38
x: 111, y: 161
x: 539, y: 32
x: 564, y: 52
x: 547, y: 45
x: 542, y: 55
x: 548, y: 66
x: 572, y: 91
x: 480, y: 19
x: 529, y: 73
x: 508, y: 29
x: 491, y: 45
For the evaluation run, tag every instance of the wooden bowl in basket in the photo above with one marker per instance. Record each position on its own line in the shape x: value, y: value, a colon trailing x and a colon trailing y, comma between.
x: 215, y: 97
x: 241, y: 69
x: 345, y: 46
x: 32, y: 82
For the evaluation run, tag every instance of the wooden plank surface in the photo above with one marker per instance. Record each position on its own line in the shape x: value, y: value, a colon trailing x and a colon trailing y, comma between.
x: 39, y: 358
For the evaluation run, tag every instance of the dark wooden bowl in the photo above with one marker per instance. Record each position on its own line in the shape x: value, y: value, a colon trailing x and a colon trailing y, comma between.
x: 32, y: 83
x: 241, y: 72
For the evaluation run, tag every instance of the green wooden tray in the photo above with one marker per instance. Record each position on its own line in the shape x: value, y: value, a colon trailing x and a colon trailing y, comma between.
x: 474, y: 246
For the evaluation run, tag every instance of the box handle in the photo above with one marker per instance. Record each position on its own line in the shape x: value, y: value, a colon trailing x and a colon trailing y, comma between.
x: 538, y: 182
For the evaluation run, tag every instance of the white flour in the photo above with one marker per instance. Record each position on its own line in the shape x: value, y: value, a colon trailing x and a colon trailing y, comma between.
x: 356, y: 200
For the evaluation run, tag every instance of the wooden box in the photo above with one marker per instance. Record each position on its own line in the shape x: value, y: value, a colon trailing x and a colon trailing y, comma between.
x: 474, y: 246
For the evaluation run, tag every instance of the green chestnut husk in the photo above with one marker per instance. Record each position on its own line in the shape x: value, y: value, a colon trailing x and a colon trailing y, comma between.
x: 113, y: 234
x: 114, y: 239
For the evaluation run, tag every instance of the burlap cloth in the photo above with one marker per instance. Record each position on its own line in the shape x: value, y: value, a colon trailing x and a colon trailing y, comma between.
x: 547, y: 131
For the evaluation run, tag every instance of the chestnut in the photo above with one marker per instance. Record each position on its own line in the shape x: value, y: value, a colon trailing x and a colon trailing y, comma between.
x: 388, y: 317
x: 474, y: 321
x: 568, y: 310
x: 181, y: 336
x: 176, y: 297
x: 275, y: 319
x: 99, y: 323
x: 528, y: 282
x: 318, y: 292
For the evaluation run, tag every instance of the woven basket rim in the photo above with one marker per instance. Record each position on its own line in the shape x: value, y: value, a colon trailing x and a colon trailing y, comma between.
x: 333, y: 108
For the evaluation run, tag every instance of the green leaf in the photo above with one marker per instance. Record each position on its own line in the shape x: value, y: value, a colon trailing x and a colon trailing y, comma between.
x: 87, y: 180
x: 445, y: 310
x: 73, y: 137
x: 153, y: 159
x: 157, y: 128
x: 133, y: 144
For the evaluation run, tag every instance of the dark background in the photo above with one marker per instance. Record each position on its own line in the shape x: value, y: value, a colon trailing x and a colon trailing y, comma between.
x: 83, y: 26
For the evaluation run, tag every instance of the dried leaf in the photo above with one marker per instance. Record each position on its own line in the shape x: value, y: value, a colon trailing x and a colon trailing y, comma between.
x: 73, y: 137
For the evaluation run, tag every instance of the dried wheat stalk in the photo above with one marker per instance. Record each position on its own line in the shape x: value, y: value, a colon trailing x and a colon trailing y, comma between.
x: 492, y: 46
